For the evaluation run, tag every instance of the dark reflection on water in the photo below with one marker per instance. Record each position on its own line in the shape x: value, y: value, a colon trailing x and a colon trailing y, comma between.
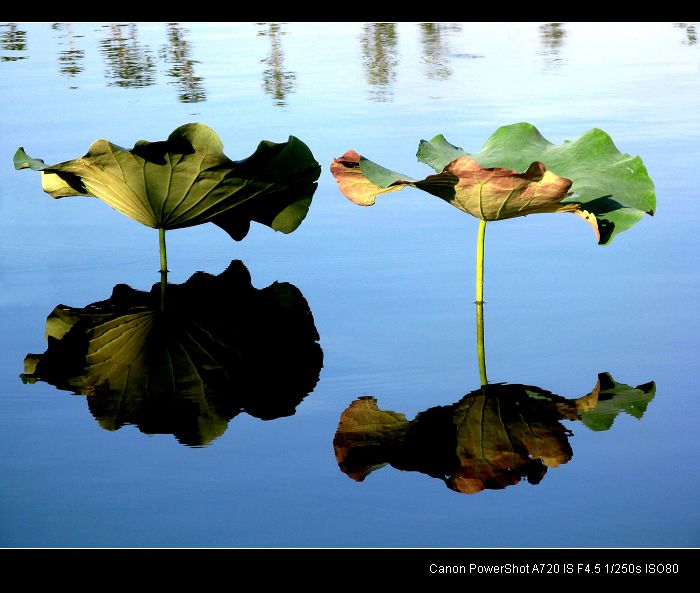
x: 435, y: 40
x: 219, y: 347
x: 277, y: 82
x: 127, y: 62
x: 190, y: 87
x: 70, y: 59
x: 12, y: 40
x: 380, y: 58
x: 552, y: 36
x: 490, y: 439
x: 691, y: 34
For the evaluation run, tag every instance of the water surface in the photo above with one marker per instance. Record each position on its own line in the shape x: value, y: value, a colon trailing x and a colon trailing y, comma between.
x: 390, y: 288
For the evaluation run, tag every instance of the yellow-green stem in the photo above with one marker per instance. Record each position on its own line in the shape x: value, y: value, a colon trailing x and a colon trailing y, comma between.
x: 480, y: 262
x: 163, y: 253
x: 163, y: 285
x: 481, y: 352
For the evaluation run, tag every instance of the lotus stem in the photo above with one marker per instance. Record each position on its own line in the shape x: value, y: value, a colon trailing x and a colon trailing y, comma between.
x: 163, y: 253
x: 480, y: 262
x: 163, y: 286
x: 481, y: 351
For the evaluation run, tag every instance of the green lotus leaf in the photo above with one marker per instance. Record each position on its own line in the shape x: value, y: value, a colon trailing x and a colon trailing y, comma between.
x: 490, y: 439
x: 187, y: 180
x: 518, y: 172
x: 615, y: 398
x: 215, y: 348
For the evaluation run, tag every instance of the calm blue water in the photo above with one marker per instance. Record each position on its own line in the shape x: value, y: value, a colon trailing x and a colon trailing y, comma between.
x: 390, y: 287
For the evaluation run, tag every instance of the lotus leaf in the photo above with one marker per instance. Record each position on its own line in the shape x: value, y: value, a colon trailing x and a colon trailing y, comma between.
x: 518, y: 172
x: 187, y: 180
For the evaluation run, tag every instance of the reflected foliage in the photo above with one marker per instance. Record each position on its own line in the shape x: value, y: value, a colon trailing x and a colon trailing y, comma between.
x: 127, y: 63
x: 219, y: 347
x: 277, y: 82
x: 190, y: 87
x: 691, y: 34
x: 12, y: 40
x: 378, y: 43
x: 70, y: 58
x: 435, y: 39
x: 552, y: 36
x: 490, y: 439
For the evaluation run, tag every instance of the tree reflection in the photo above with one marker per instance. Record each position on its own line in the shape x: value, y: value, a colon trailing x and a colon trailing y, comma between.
x: 13, y: 40
x: 380, y: 58
x: 127, y: 62
x: 552, y: 36
x: 214, y: 348
x: 190, y: 87
x: 490, y: 439
x: 277, y: 82
x: 690, y: 33
x: 436, y: 48
x: 70, y: 58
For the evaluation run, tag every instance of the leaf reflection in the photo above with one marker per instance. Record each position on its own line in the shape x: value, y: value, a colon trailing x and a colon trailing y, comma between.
x: 218, y: 348
x: 490, y: 439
